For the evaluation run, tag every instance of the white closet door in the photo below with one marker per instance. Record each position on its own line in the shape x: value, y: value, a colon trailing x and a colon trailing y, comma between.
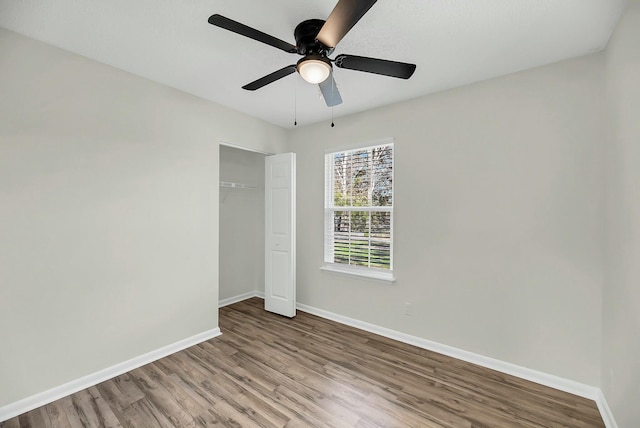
x: 280, y: 234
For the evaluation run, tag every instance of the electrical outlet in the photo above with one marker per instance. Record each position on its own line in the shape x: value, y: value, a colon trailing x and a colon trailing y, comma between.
x: 407, y: 309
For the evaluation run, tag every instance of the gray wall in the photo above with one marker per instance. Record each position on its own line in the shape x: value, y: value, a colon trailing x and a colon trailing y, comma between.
x: 241, y: 223
x: 498, y: 218
x: 108, y: 214
x: 621, y: 315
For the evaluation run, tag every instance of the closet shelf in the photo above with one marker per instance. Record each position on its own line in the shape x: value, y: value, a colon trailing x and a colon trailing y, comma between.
x: 236, y: 185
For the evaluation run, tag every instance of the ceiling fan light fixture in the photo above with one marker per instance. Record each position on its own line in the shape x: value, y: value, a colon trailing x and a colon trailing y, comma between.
x: 314, y: 70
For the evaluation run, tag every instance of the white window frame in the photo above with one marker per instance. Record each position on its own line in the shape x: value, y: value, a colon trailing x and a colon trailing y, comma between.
x: 385, y: 275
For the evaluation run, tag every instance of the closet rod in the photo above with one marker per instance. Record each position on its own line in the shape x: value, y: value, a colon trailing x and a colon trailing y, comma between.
x: 236, y: 185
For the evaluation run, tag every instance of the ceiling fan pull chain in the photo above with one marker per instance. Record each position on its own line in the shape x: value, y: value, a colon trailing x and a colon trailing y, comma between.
x: 333, y: 85
x: 295, y: 103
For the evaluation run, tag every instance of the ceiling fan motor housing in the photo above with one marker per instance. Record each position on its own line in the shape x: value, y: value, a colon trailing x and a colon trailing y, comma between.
x: 306, y: 42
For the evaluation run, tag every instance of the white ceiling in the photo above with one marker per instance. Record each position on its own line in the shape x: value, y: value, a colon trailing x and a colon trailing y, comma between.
x: 453, y: 43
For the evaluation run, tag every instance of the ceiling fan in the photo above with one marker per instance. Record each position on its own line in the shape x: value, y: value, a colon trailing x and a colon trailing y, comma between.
x: 315, y: 41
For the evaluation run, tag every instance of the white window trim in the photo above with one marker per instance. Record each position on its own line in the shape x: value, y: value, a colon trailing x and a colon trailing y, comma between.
x: 359, y: 271
x: 360, y: 146
x: 384, y: 275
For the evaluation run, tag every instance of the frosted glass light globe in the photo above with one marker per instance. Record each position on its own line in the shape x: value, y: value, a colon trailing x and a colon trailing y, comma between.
x: 314, y: 71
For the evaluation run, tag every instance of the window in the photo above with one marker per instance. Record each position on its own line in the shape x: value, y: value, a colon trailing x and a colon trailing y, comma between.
x: 359, y: 211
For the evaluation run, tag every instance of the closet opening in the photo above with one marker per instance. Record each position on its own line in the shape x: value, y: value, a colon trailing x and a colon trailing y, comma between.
x: 241, y: 224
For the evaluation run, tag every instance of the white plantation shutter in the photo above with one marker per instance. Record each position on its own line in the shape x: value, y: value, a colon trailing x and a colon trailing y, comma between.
x: 359, y: 208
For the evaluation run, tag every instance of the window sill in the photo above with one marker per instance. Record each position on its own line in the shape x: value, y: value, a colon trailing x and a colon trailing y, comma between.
x: 383, y: 276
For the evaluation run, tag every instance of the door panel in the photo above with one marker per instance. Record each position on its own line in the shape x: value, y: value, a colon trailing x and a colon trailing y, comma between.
x: 280, y: 234
x: 280, y: 269
x: 280, y: 223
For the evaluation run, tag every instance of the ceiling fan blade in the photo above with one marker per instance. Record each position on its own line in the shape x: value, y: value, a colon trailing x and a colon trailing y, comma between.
x: 384, y: 67
x: 343, y: 17
x: 270, y: 78
x: 330, y: 92
x: 252, y: 33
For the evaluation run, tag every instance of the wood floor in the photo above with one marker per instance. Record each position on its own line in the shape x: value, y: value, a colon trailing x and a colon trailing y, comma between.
x: 270, y: 371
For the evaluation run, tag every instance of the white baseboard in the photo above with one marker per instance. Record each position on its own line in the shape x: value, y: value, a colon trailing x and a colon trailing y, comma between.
x: 572, y: 387
x: 239, y: 298
x: 556, y: 382
x: 605, y: 411
x: 19, y: 407
x: 542, y: 378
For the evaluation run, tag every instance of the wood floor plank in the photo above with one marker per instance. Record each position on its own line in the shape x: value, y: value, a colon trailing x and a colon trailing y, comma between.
x: 11, y: 423
x: 148, y: 379
x: 55, y: 415
x: 144, y: 413
x: 122, y: 389
x: 275, y: 372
